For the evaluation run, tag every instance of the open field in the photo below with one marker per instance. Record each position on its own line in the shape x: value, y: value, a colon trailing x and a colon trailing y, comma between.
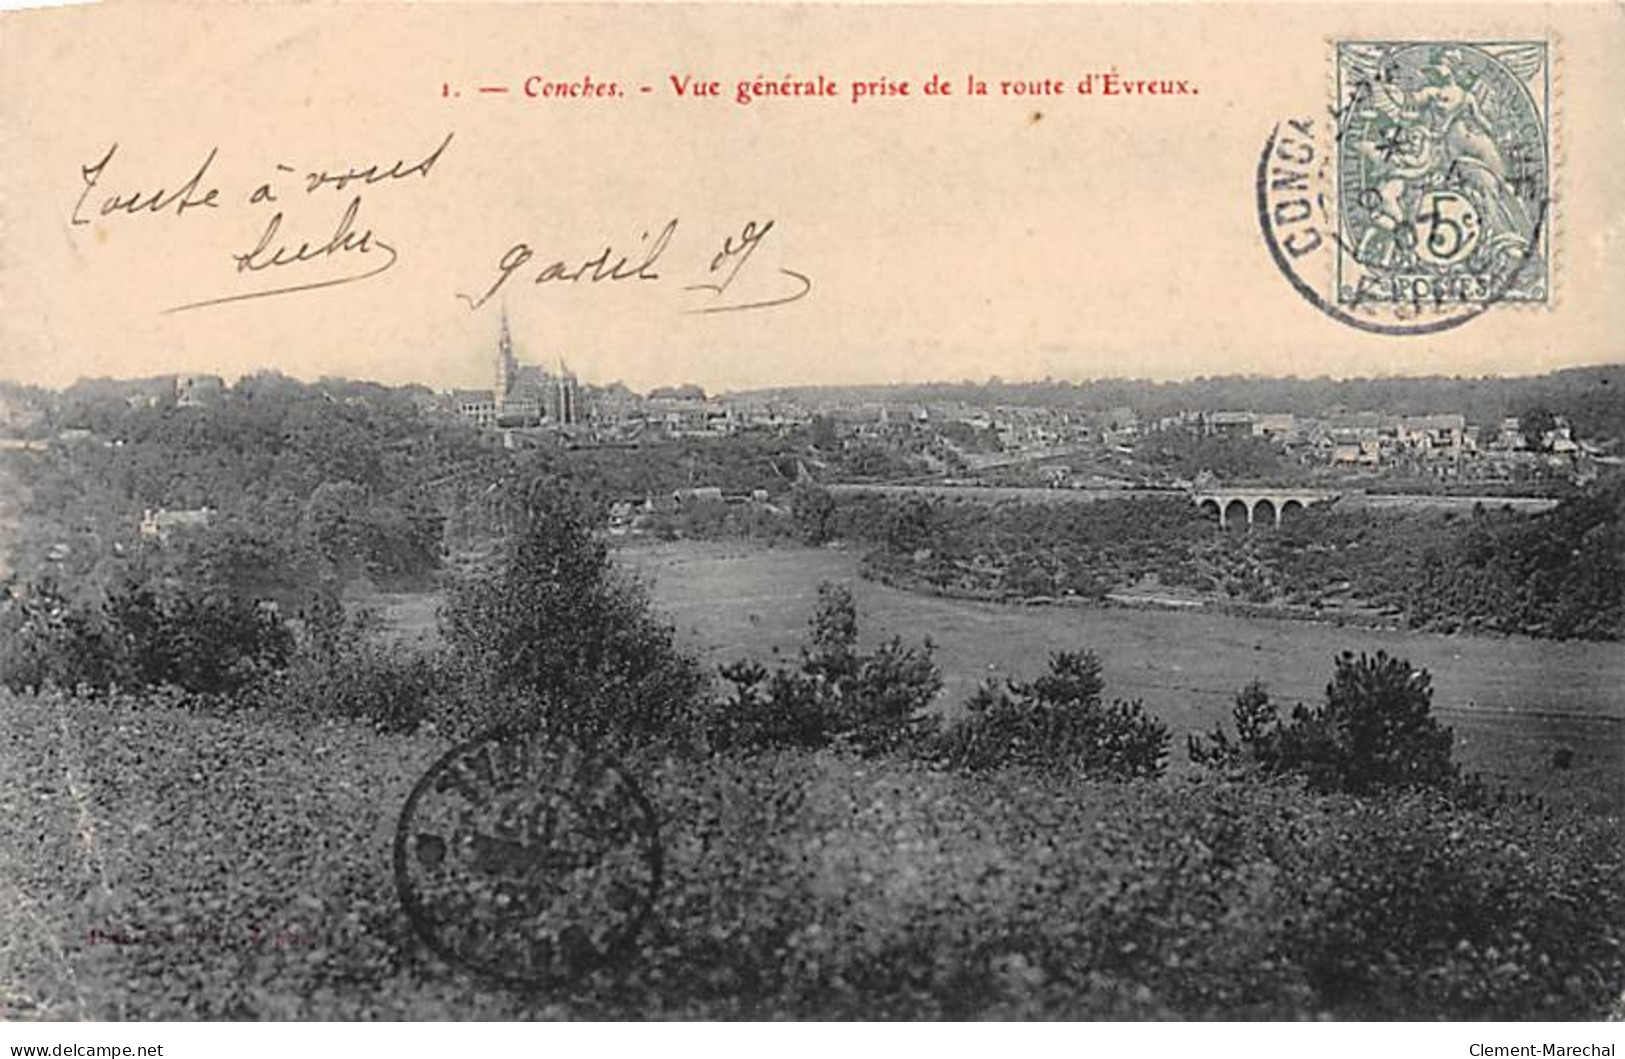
x: 1512, y: 701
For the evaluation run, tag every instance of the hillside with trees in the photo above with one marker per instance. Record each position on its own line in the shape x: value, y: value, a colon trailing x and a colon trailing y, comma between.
x: 1556, y: 574
x: 1592, y: 398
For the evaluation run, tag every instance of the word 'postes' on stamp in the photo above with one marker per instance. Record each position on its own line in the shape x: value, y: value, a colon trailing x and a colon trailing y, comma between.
x: 1443, y: 172
x: 527, y: 859
x: 1424, y: 198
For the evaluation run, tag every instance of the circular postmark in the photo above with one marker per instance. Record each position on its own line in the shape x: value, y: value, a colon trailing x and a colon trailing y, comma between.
x: 527, y: 859
x: 1423, y: 200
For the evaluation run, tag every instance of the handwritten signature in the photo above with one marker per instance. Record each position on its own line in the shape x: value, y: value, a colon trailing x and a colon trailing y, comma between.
x: 270, y: 253
x: 364, y: 254
x: 639, y: 265
x: 349, y: 251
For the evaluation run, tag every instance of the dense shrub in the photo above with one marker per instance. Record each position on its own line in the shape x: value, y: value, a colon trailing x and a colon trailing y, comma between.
x: 554, y: 636
x: 1411, y: 905
x: 253, y: 858
x: 48, y: 640
x: 341, y: 668
x: 195, y: 637
x: 872, y: 701
x: 1375, y: 731
x: 1058, y: 722
x: 1559, y: 574
x: 811, y: 509
x: 356, y: 534
x: 1252, y: 749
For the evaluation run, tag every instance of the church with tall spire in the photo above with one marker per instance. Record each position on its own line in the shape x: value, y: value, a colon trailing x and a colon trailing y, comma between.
x: 524, y: 395
x: 507, y: 363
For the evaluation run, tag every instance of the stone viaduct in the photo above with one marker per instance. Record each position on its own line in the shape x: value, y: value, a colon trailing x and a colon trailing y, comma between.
x: 1252, y: 503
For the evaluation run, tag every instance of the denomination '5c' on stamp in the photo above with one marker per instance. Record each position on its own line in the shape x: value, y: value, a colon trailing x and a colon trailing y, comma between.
x: 1443, y: 172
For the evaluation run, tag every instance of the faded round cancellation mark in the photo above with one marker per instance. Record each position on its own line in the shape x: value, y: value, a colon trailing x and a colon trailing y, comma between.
x: 527, y: 859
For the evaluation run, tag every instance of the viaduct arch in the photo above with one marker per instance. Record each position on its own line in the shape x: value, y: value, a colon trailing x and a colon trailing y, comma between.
x: 1254, y: 505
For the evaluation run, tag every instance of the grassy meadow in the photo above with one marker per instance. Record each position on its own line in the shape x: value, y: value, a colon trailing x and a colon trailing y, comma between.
x: 1514, y: 702
x: 170, y: 862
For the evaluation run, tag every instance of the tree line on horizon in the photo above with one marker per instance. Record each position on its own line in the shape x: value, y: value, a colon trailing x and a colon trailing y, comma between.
x: 1592, y: 398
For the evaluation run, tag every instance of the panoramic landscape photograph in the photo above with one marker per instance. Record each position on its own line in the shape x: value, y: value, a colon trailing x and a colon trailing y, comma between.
x: 1238, y: 697
x: 812, y: 513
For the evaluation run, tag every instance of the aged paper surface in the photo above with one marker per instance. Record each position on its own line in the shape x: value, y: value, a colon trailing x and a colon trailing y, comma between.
x: 939, y: 235
x: 770, y: 393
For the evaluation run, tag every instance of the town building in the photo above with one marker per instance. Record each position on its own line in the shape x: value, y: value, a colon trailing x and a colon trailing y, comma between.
x: 1433, y: 432
x: 1560, y: 439
x: 1229, y: 424
x: 476, y: 405
x: 199, y: 391
x: 522, y: 395
x: 1511, y: 436
x: 1276, y: 426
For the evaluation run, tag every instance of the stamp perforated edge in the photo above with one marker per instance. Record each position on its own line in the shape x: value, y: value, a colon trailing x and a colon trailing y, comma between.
x: 1555, y: 153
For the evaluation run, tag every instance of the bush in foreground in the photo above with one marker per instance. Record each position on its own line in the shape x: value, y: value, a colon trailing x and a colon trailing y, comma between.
x: 873, y: 702
x: 341, y: 668
x: 555, y: 637
x: 196, y: 637
x: 1376, y: 731
x: 1058, y: 723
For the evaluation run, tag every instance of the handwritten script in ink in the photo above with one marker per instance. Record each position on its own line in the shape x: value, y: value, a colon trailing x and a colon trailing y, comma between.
x: 312, y: 233
x: 715, y: 288
x: 281, y: 260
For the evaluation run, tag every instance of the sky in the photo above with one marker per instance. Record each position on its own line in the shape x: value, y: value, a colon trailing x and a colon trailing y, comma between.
x: 890, y: 239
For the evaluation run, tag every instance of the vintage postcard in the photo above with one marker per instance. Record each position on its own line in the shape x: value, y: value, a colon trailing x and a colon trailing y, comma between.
x: 813, y: 512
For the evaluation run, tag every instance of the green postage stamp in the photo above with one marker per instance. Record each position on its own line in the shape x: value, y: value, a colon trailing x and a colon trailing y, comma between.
x: 1443, y: 172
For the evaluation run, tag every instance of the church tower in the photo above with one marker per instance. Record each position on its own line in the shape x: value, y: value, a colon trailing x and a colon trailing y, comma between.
x: 566, y: 402
x: 507, y: 365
